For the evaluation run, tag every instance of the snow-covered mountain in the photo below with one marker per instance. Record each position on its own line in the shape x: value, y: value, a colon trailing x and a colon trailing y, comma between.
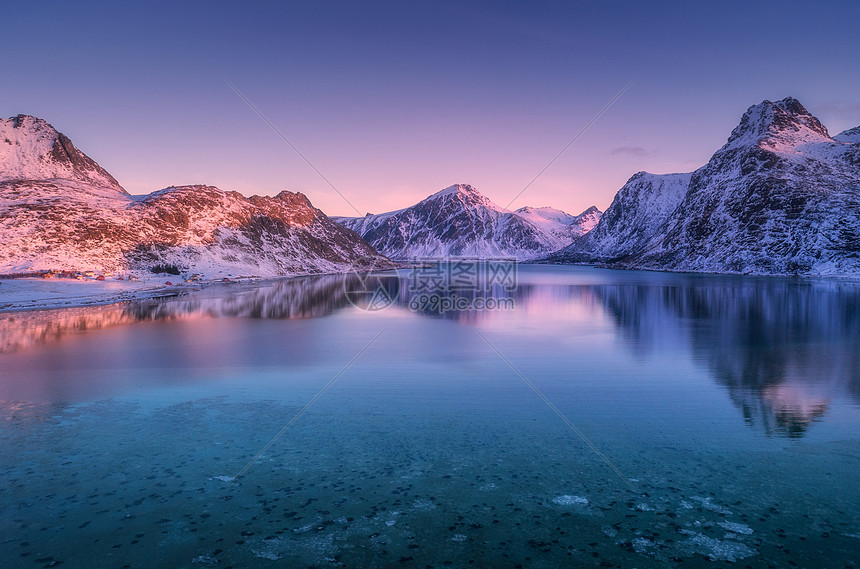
x: 31, y: 149
x: 459, y: 221
x: 635, y: 217
x: 61, y: 210
x: 780, y: 197
x: 851, y: 136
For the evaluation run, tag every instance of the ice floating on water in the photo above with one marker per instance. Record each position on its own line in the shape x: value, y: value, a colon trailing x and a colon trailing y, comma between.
x: 641, y: 544
x: 736, y: 528
x: 267, y: 553
x: 570, y: 500
x: 423, y: 505
x: 708, y: 505
x: 206, y: 560
x: 459, y: 537
x: 718, y: 550
x: 223, y: 478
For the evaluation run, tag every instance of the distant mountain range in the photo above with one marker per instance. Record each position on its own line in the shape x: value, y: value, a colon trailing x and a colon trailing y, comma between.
x: 60, y: 210
x: 780, y: 197
x: 459, y: 221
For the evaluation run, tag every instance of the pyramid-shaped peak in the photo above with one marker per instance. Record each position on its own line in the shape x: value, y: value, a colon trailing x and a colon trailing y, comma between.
x: 32, y: 149
x: 786, y: 118
x: 464, y: 195
x: 458, y: 189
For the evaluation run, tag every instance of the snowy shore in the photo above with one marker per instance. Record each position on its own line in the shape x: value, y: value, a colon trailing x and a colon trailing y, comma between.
x: 38, y: 294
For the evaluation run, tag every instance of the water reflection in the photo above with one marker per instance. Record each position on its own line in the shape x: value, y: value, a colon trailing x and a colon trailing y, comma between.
x: 783, y: 349
x: 305, y: 297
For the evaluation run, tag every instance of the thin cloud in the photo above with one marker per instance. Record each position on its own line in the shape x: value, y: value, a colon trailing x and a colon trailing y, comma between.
x: 632, y: 151
x: 839, y: 115
x: 841, y: 109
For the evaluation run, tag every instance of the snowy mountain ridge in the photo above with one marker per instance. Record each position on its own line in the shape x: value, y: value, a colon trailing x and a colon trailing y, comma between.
x: 60, y: 210
x: 32, y: 149
x: 851, y: 135
x: 640, y: 208
x: 459, y: 221
x: 780, y: 197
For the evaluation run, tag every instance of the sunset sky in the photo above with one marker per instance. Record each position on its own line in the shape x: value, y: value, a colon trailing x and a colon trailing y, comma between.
x: 393, y: 101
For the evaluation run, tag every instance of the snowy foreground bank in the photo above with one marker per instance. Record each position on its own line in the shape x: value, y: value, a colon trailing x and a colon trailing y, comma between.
x: 37, y: 294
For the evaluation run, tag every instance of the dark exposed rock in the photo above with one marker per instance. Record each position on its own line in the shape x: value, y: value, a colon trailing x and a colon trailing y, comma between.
x: 48, y: 154
x: 780, y: 197
x: 459, y: 221
x: 61, y: 210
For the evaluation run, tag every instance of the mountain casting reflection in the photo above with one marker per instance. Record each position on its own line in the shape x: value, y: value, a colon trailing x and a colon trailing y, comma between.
x: 303, y: 297
x: 784, y: 350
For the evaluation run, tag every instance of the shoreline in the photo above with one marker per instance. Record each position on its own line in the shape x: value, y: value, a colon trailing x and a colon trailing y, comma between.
x: 33, y: 293
x: 27, y: 294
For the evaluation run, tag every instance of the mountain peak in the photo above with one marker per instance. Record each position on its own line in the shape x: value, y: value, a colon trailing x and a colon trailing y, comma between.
x: 851, y: 136
x: 465, y: 195
x: 32, y: 149
x: 787, y: 120
x: 459, y: 221
x: 458, y: 189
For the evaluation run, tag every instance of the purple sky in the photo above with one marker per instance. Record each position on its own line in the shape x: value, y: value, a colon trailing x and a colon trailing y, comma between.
x: 393, y: 101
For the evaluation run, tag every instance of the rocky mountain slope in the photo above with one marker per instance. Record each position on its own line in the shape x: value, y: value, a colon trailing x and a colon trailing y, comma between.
x: 637, y: 214
x: 31, y: 149
x: 459, y: 221
x: 61, y: 210
x: 780, y: 197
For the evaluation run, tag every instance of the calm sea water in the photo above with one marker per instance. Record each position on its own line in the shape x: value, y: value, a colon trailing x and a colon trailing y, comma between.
x: 594, y: 418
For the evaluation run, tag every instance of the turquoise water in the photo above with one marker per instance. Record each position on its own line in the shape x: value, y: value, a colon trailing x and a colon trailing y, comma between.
x: 605, y: 418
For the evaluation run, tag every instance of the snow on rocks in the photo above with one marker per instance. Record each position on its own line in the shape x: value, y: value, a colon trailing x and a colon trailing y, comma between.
x: 459, y: 221
x: 59, y: 210
x: 781, y: 197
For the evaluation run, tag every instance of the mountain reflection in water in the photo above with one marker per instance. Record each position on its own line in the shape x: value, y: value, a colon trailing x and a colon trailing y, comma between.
x: 783, y: 349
